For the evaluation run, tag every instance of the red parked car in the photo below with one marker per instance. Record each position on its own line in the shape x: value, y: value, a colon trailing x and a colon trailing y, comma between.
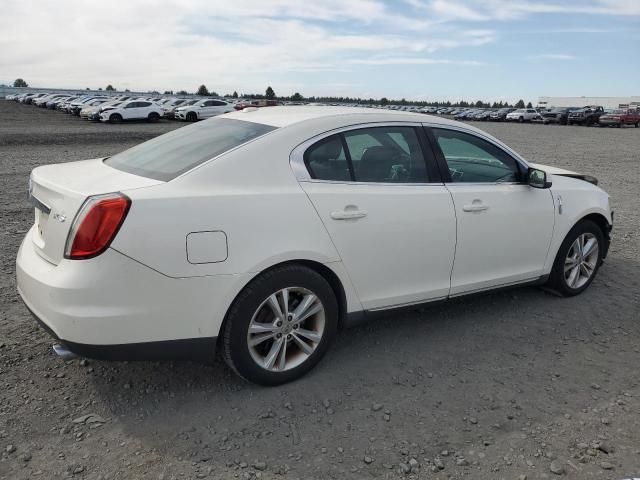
x: 620, y: 117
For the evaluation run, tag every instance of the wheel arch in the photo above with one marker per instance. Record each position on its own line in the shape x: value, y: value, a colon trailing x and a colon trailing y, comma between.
x: 327, y: 273
x: 602, y: 222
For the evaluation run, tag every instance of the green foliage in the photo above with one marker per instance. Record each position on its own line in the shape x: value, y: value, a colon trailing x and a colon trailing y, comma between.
x: 235, y: 94
x: 19, y: 82
x: 296, y: 97
x: 182, y: 92
x: 520, y: 104
x: 270, y: 94
x: 202, y: 90
x: 110, y: 88
x: 529, y: 105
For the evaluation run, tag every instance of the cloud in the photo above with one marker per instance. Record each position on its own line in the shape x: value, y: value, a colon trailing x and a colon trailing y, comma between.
x: 226, y: 45
x: 246, y: 44
x: 416, y: 61
x: 552, y: 56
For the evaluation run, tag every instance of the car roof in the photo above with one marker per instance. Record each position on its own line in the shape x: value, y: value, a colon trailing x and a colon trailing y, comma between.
x: 283, y: 116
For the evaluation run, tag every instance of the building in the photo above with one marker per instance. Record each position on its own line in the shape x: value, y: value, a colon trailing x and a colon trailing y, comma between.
x: 606, y: 102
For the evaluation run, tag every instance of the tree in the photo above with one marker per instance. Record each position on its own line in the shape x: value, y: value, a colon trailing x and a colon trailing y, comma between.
x: 269, y: 93
x: 235, y: 94
x: 110, y: 88
x: 168, y: 92
x: 529, y: 105
x: 100, y: 88
x: 182, y: 92
x: 20, y: 83
x: 384, y: 101
x: 202, y: 90
x: 520, y: 104
x: 296, y: 97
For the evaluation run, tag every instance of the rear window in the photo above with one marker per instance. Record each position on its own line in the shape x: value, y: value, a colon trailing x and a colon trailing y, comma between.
x: 169, y: 155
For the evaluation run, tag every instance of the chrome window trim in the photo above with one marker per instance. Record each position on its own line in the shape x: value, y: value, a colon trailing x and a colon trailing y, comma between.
x: 296, y: 158
x: 521, y: 161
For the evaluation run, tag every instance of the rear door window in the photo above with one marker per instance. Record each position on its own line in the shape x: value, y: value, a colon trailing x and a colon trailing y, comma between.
x: 390, y: 154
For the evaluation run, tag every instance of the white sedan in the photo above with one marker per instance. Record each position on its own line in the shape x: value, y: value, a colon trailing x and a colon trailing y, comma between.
x: 203, y: 109
x: 263, y: 232
x: 132, y: 110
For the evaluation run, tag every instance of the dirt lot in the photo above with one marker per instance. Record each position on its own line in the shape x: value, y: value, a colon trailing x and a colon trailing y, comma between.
x: 513, y: 385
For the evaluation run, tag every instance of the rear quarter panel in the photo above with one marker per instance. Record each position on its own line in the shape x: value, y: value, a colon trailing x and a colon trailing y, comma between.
x: 249, y: 193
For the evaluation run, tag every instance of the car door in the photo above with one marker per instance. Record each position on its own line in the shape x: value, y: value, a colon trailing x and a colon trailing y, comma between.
x: 380, y: 197
x: 128, y: 112
x: 206, y: 109
x: 504, y: 226
x: 143, y: 110
x: 219, y: 107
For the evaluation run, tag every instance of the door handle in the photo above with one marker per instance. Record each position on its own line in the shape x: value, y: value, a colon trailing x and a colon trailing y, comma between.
x: 476, y: 206
x: 348, y: 215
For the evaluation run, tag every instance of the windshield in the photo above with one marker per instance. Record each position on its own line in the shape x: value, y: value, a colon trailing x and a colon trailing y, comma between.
x: 169, y: 155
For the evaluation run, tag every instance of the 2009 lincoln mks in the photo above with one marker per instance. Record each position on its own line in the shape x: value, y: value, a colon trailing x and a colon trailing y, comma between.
x: 262, y: 232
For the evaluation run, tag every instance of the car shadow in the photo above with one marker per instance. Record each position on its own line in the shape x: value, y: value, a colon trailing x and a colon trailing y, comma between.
x: 523, y: 348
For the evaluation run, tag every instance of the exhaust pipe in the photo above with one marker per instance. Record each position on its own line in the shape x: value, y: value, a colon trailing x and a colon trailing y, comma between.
x: 63, y: 352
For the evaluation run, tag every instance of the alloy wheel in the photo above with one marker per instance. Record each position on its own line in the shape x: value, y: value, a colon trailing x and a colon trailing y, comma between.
x: 581, y: 260
x: 286, y: 329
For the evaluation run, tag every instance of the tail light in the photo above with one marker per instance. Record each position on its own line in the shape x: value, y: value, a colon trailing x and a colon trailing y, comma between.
x: 96, y: 225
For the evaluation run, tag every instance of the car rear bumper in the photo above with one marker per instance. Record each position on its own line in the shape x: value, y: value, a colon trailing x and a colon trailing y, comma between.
x: 202, y: 349
x: 114, y: 307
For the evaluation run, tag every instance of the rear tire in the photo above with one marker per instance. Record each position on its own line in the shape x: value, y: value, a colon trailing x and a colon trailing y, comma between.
x: 276, y: 355
x: 115, y: 118
x: 578, y: 260
x: 521, y: 119
x: 153, y: 117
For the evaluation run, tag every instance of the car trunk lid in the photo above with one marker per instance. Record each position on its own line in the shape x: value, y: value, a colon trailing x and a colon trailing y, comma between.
x: 58, y: 191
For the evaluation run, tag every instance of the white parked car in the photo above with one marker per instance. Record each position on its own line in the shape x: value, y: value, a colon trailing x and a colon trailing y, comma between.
x: 522, y: 115
x: 263, y: 232
x: 132, y: 110
x: 203, y: 109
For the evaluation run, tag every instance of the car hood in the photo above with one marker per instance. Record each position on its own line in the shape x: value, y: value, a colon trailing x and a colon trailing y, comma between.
x: 565, y: 173
x: 553, y: 170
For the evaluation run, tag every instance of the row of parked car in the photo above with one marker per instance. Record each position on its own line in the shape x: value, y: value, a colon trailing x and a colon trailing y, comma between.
x: 116, y: 109
x: 587, y: 116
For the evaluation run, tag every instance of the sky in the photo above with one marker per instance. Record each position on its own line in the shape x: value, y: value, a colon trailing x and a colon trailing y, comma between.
x: 414, y: 49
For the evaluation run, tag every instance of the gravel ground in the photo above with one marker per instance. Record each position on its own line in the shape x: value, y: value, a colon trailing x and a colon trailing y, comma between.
x: 512, y: 385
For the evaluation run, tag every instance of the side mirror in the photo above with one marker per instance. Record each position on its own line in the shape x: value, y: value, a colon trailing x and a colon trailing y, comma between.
x: 537, y: 178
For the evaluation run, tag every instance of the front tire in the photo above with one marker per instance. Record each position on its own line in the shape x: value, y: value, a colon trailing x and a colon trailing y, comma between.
x: 192, y: 117
x: 578, y: 259
x: 115, y: 118
x: 280, y: 325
